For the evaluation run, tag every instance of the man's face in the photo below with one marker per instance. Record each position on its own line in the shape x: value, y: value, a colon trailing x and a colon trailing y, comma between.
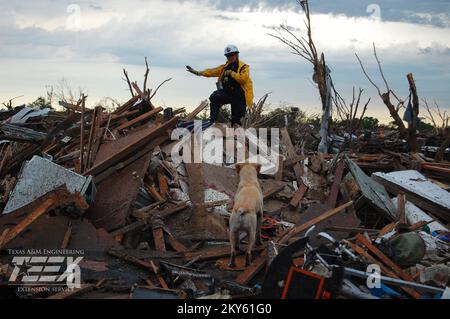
x: 231, y: 58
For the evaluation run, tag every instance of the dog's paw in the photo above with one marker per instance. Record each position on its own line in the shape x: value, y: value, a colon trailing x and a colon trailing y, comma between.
x: 248, y: 260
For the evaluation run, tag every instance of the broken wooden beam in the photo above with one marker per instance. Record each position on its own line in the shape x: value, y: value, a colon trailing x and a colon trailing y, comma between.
x: 298, y: 229
x: 255, y: 267
x: 298, y: 195
x: 338, y: 174
x: 27, y: 221
x: 191, y: 116
x: 132, y: 148
x: 158, y: 237
x: 388, y: 262
x: 164, y: 214
x: 140, y: 118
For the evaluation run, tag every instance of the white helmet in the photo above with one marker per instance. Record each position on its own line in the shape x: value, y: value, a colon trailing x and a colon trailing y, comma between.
x: 230, y: 49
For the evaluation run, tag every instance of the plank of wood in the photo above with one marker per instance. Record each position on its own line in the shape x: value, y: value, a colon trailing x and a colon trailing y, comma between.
x: 132, y: 148
x: 269, y: 193
x: 158, y: 237
x: 127, y: 105
x: 401, y: 202
x: 213, y: 253
x: 138, y: 119
x: 279, y: 174
x: 3, y: 236
x: 67, y: 235
x: 384, y: 269
x: 338, y: 174
x: 155, y: 194
x: 298, y: 229
x: 419, y: 225
x: 286, y: 139
x: 387, y: 229
x: 418, y: 190
x: 163, y: 185
x: 27, y: 221
x: 176, y: 245
x: 164, y: 214
x: 298, y: 195
x: 197, y: 110
x: 255, y: 267
x: 373, y: 191
x: 158, y: 275
x: 388, y: 262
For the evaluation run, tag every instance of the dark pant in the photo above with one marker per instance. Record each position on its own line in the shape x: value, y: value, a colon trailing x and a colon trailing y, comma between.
x: 221, y: 97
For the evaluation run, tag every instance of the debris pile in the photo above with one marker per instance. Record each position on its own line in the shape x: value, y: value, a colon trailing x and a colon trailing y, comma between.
x: 105, y: 186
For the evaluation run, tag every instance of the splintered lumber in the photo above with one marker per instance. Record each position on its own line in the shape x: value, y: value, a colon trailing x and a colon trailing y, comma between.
x: 197, y: 110
x: 124, y: 256
x: 27, y: 221
x: 298, y: 195
x: 255, y: 267
x: 164, y: 214
x: 158, y: 275
x: 418, y: 190
x: 279, y: 174
x: 401, y: 201
x: 132, y: 148
x: 270, y: 192
x: 359, y: 250
x: 127, y: 105
x: 158, y: 237
x: 214, y: 253
x: 67, y: 235
x: 298, y: 229
x: 176, y: 245
x: 105, y: 174
x: 155, y: 194
x: 388, y: 262
x: 286, y: 139
x: 163, y: 185
x: 338, y: 173
x: 3, y: 236
x: 140, y: 118
x: 373, y: 192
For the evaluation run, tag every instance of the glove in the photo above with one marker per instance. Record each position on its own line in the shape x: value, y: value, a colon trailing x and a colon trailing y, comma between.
x: 189, y: 69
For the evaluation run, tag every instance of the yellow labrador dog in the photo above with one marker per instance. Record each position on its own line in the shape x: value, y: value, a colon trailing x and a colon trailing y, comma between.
x: 247, y: 211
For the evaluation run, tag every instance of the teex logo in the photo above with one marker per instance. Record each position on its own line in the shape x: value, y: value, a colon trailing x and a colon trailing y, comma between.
x: 29, y: 270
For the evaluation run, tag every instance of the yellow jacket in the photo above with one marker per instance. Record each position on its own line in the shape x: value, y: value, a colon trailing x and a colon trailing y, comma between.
x: 242, y: 77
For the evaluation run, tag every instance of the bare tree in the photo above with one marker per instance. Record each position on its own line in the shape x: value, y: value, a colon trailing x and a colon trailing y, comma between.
x: 305, y: 48
x: 145, y: 93
x: 349, y: 113
x: 440, y: 124
x: 64, y: 92
x: 9, y: 104
x: 386, y: 96
x: 442, y: 119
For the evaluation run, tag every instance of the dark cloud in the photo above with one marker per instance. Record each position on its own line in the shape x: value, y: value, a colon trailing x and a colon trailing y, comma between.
x: 401, y: 10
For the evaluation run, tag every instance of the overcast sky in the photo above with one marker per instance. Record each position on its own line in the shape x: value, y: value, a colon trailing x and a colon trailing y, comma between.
x: 89, y: 42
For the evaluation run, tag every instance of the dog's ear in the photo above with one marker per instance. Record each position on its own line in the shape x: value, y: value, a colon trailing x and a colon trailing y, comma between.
x: 257, y: 166
x: 238, y: 167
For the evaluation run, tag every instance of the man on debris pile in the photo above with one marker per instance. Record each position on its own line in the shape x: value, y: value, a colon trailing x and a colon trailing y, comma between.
x: 234, y: 86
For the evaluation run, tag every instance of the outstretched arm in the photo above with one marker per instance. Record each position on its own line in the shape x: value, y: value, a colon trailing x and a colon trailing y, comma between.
x: 214, y: 72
